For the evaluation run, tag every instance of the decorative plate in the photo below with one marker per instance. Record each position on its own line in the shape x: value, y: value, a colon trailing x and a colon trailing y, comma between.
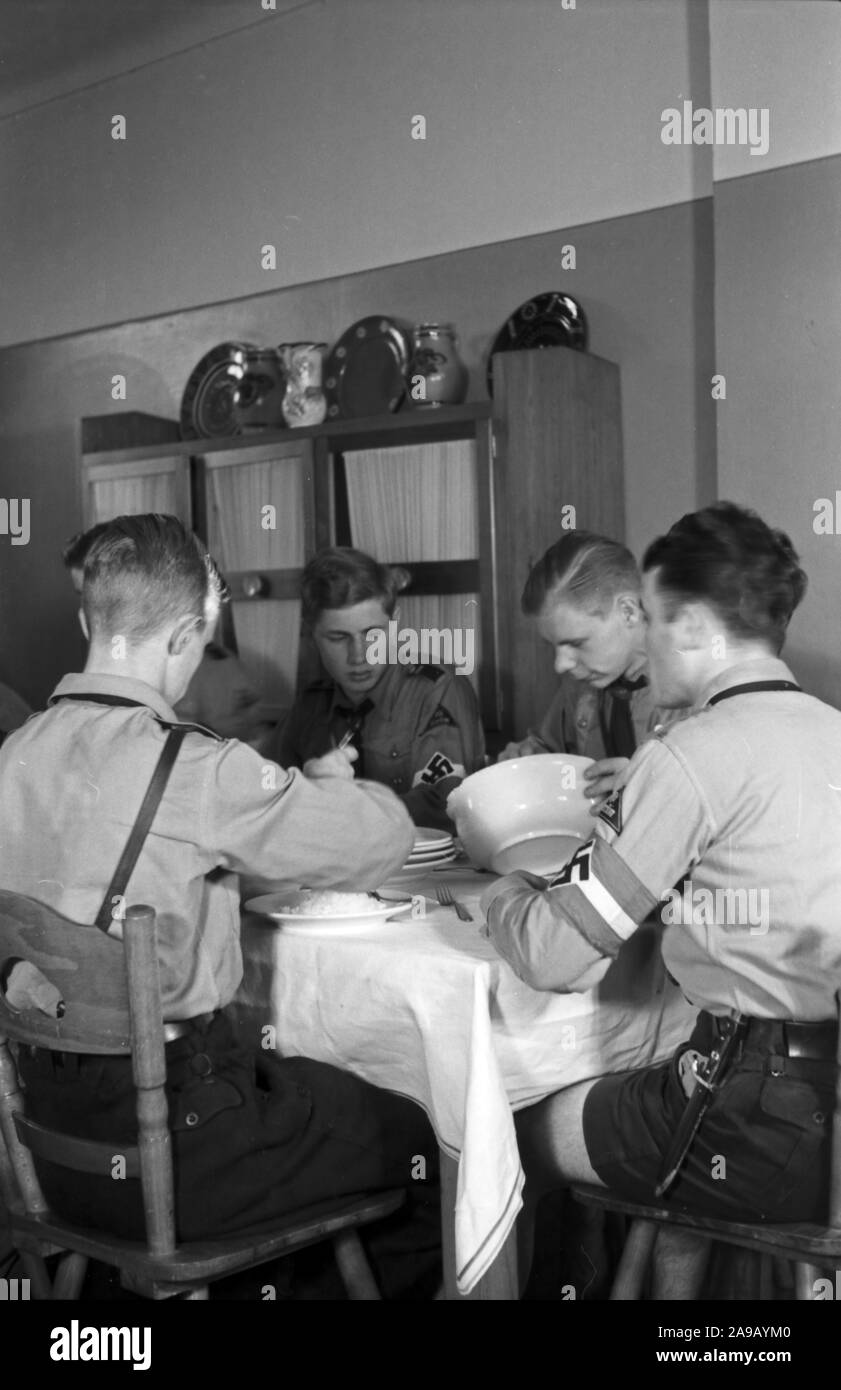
x: 207, y: 406
x: 548, y: 320
x: 365, y: 372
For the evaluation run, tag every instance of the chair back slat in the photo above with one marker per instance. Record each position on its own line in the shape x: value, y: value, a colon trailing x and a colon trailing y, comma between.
x: 87, y: 968
x: 82, y: 1155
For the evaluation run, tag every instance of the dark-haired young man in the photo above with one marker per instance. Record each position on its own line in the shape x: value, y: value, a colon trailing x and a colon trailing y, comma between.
x: 584, y: 598
x: 254, y: 1138
x: 737, y: 805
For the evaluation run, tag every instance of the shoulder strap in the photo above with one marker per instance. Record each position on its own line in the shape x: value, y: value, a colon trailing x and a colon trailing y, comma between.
x: 751, y: 686
x: 140, y: 829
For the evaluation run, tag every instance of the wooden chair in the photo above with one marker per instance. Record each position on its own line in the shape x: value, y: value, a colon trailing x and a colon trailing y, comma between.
x: 111, y: 1005
x: 811, y: 1247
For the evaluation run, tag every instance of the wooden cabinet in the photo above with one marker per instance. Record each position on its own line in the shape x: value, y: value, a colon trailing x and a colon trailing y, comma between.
x: 466, y: 497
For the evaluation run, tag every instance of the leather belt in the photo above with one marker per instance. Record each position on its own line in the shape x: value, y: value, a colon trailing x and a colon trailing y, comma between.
x: 786, y: 1037
x: 179, y: 1028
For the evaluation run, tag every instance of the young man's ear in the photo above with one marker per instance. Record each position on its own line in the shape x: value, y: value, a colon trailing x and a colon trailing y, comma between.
x: 83, y: 624
x: 629, y: 607
x: 181, y: 633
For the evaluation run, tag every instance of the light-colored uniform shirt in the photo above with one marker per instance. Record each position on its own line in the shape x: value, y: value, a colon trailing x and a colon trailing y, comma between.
x: 13, y: 711
x: 730, y: 823
x: 573, y: 721
x: 420, y: 737
x: 71, y: 784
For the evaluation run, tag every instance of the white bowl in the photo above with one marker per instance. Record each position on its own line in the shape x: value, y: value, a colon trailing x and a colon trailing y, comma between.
x: 527, y: 813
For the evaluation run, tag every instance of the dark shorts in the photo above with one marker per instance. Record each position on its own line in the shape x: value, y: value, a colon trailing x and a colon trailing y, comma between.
x: 762, y: 1151
x: 255, y: 1138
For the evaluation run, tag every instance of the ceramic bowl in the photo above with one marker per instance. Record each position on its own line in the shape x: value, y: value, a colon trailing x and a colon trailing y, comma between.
x: 528, y: 813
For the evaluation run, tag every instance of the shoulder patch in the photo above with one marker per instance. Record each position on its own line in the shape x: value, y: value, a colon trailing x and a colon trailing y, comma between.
x: 440, y: 717
x: 432, y: 673
x: 611, y: 812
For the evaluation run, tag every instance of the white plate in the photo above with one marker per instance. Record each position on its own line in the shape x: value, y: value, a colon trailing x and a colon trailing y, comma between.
x: 432, y: 839
x: 277, y: 905
x: 413, y: 866
x: 418, y: 857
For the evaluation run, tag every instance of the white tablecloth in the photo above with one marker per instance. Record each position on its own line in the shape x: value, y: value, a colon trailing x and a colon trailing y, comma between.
x: 426, y: 1008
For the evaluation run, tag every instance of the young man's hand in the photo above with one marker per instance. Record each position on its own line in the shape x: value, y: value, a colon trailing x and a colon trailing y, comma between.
x: 337, y: 763
x: 602, y: 779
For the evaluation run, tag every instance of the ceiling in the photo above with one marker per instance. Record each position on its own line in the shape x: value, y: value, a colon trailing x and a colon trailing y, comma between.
x: 49, y: 48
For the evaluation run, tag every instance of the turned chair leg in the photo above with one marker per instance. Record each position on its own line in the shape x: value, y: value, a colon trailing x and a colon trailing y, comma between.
x: 354, y: 1268
x: 804, y: 1281
x: 628, y: 1283
x: 70, y: 1276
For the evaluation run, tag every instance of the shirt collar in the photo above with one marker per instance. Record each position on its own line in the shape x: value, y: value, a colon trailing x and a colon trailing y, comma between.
x: 383, y: 695
x: 86, y: 683
x: 759, y: 668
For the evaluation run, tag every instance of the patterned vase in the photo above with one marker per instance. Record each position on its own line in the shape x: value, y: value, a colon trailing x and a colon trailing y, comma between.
x: 436, y: 376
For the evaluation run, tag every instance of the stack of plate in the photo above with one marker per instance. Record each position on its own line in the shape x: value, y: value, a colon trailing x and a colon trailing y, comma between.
x: 431, y: 850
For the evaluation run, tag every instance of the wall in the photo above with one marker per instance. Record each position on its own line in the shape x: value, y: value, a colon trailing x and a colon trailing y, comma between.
x: 645, y: 281
x: 778, y: 295
x: 297, y: 132
x: 778, y: 316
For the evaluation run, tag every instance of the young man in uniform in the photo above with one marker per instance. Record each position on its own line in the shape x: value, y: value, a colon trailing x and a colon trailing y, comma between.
x: 737, y: 805
x: 584, y: 598
x: 220, y: 696
x: 416, y: 727
x: 255, y: 1137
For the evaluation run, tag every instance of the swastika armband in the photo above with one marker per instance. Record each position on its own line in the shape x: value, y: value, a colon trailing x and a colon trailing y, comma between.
x: 438, y: 767
x: 577, y: 870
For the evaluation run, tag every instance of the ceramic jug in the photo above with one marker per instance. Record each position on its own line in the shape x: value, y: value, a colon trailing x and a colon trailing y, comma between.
x: 436, y: 376
x: 304, y: 402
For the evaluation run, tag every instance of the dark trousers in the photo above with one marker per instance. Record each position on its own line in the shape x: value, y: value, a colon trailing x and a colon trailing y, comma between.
x: 255, y: 1138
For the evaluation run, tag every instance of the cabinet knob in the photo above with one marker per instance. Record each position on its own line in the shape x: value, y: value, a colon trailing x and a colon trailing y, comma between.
x: 254, y: 585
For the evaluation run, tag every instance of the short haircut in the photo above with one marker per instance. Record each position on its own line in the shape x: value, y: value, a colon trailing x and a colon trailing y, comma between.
x: 76, y: 550
x: 582, y: 569
x: 727, y: 557
x: 143, y: 573
x: 339, y: 577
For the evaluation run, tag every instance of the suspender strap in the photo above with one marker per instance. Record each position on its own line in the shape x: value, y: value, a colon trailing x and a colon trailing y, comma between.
x: 753, y: 685
x: 140, y: 829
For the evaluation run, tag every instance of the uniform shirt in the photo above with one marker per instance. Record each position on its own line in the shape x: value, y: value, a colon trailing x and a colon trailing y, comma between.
x: 730, y: 822
x: 573, y: 722
x: 421, y: 734
x: 71, y: 783
x: 13, y: 711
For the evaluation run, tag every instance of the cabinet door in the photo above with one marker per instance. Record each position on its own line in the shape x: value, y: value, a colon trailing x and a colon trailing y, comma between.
x: 417, y: 505
x: 260, y: 529
x: 130, y: 488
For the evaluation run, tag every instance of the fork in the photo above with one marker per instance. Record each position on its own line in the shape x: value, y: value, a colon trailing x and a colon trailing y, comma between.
x: 446, y: 899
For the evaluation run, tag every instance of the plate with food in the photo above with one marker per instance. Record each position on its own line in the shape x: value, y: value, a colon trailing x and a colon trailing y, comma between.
x: 327, y: 912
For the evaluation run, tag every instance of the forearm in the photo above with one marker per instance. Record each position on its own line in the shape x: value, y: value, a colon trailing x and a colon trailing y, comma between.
x: 545, y: 937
